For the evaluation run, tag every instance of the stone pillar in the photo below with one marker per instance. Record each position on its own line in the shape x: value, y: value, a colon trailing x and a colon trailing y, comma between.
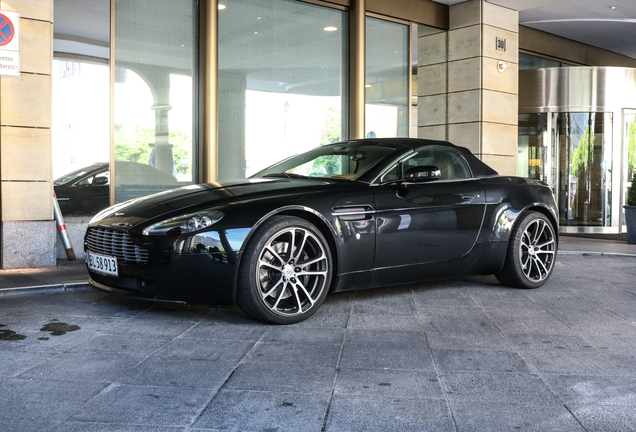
x: 468, y: 82
x: 26, y: 204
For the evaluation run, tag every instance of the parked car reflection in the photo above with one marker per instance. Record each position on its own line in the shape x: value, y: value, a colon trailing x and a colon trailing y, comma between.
x: 87, y: 190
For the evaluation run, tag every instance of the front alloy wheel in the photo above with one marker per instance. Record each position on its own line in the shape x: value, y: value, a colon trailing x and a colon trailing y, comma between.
x: 531, y: 252
x: 286, y: 271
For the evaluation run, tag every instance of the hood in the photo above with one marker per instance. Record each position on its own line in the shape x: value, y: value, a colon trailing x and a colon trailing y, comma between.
x: 193, y: 198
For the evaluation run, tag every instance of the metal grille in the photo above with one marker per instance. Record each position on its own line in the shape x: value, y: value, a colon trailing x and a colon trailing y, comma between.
x: 115, y: 243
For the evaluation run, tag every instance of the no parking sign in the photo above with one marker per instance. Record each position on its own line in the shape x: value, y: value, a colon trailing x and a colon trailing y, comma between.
x: 9, y: 43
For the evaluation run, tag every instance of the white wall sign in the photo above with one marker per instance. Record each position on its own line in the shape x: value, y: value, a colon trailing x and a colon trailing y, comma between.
x: 9, y: 43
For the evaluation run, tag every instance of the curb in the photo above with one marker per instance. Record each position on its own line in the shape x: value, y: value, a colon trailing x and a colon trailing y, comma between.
x: 587, y: 253
x: 44, y: 289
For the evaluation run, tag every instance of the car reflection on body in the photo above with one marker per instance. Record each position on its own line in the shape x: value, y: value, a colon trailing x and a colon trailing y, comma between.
x: 345, y: 216
x: 87, y: 190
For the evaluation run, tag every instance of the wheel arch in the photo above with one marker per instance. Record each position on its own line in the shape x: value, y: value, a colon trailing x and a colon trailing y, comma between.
x: 509, y: 272
x: 302, y: 212
x: 547, y: 212
x: 506, y: 218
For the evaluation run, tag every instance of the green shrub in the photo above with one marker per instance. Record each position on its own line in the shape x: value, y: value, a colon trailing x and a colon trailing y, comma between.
x: 631, y: 193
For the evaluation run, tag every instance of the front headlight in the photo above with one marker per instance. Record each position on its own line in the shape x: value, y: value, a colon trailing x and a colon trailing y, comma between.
x: 186, y: 223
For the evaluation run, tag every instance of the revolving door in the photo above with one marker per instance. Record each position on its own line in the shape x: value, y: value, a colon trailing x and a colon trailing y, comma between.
x: 576, y: 132
x: 572, y: 152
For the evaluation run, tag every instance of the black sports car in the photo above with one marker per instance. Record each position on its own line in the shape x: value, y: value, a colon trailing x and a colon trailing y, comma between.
x: 351, y: 215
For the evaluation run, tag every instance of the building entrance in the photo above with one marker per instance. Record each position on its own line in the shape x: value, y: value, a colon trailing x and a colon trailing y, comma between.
x: 572, y: 153
x: 571, y: 137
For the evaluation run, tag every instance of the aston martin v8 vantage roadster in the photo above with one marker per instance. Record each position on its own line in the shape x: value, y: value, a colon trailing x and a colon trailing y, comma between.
x: 345, y: 216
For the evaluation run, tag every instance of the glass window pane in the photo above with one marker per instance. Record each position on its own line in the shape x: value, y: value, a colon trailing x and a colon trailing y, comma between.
x: 527, y: 61
x: 585, y: 143
x: 155, y: 58
x: 533, y: 151
x: 282, y: 77
x: 387, y: 79
x: 81, y: 103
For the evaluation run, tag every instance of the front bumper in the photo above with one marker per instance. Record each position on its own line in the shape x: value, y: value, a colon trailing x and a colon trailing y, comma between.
x: 185, y: 278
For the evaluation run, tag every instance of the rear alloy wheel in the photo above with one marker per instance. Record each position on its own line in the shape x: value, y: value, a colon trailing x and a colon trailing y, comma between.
x: 531, y: 252
x: 285, y: 272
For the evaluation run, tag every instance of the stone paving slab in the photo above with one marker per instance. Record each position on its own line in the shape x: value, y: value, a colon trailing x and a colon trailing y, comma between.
x: 458, y: 355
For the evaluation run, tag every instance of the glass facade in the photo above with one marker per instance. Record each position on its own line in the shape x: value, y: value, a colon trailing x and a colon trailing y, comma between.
x: 154, y: 90
x: 534, y: 144
x: 282, y: 82
x: 387, y: 79
x: 282, y: 89
x: 572, y: 152
x: 81, y: 107
x: 81, y: 114
x: 585, y: 166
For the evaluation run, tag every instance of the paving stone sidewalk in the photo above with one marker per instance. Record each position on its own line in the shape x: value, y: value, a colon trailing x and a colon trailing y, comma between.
x: 458, y: 355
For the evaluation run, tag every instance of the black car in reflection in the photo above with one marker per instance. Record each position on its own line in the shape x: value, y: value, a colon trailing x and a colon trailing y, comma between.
x: 345, y: 216
x: 87, y: 190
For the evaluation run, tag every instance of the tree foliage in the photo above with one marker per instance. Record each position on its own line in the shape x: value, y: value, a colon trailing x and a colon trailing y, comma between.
x: 331, y: 128
x: 134, y: 146
x: 631, y: 193
x: 582, y: 152
x: 326, y: 166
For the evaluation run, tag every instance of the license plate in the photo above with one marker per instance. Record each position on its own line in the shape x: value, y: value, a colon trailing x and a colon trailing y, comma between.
x: 102, y: 263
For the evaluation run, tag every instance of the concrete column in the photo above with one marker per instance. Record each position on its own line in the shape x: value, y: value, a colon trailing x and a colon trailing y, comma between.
x: 27, y: 234
x: 468, y: 82
x: 357, y: 59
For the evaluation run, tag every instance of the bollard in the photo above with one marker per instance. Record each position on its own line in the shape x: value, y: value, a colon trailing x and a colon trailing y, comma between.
x: 59, y: 220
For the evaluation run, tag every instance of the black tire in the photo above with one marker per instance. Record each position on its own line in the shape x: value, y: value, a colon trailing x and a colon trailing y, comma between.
x: 531, y: 252
x: 285, y: 272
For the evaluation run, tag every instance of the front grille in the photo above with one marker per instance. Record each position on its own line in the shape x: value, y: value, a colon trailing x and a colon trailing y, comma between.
x: 115, y: 243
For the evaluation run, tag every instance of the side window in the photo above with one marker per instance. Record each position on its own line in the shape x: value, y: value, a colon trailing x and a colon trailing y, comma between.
x: 91, y: 180
x: 451, y: 164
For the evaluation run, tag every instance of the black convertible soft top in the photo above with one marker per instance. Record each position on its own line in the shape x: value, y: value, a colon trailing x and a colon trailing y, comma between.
x: 479, y: 168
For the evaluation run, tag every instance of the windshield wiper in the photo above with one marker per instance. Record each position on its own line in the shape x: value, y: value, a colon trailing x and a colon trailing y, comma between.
x: 287, y: 174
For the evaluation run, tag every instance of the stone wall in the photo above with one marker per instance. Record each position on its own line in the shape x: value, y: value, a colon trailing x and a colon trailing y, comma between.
x: 463, y: 96
x: 27, y: 232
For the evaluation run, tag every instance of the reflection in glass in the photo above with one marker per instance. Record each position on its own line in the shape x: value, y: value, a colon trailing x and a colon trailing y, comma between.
x: 340, y: 161
x: 387, y: 79
x: 534, y: 144
x: 155, y: 58
x: 81, y: 104
x: 585, y: 167
x: 572, y: 152
x: 282, y: 77
x: 81, y: 127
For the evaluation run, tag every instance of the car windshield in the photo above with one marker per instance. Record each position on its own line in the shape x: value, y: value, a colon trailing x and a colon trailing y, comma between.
x: 341, y: 161
x: 74, y: 175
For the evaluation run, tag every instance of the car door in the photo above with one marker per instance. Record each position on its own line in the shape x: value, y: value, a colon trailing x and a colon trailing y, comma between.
x: 431, y: 221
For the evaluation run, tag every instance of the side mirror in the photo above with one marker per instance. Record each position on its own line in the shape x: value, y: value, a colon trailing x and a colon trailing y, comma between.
x: 424, y: 173
x: 99, y: 181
